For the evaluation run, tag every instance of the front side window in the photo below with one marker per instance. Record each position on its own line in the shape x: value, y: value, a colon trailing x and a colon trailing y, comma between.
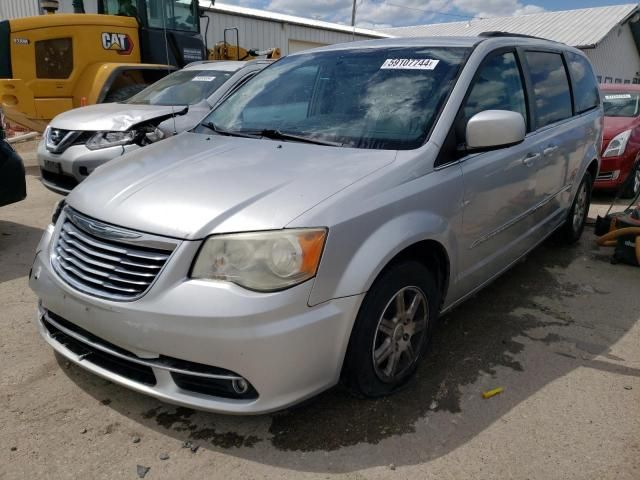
x: 54, y: 58
x: 550, y: 86
x: 362, y: 98
x: 498, y: 86
x: 584, y: 83
x: 184, y: 87
x: 621, y: 104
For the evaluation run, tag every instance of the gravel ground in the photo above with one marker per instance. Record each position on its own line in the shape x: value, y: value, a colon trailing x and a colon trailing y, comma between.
x: 560, y: 333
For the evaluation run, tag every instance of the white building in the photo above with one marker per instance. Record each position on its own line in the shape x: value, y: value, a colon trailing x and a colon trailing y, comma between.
x: 257, y: 28
x: 261, y: 29
x: 610, y: 36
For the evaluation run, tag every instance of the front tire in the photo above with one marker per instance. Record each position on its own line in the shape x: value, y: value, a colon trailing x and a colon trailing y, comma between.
x: 571, y: 231
x: 392, y: 331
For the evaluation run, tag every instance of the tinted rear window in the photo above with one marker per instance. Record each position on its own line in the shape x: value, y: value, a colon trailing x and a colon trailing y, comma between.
x: 585, y: 87
x: 551, y: 87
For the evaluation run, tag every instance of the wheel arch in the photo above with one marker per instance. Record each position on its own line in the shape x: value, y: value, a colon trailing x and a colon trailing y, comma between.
x: 593, y: 170
x: 433, y: 255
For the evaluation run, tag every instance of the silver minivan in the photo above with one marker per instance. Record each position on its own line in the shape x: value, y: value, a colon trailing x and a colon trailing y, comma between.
x: 316, y: 224
x: 78, y: 141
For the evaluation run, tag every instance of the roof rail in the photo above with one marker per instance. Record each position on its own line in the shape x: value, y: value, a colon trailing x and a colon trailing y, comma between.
x: 497, y: 33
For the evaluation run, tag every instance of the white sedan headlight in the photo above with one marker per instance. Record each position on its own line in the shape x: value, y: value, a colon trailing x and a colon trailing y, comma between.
x: 618, y: 144
x: 262, y: 261
x: 111, y: 139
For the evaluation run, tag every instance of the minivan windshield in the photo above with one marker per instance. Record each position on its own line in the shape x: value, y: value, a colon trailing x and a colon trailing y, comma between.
x: 184, y: 87
x: 621, y: 104
x: 364, y: 98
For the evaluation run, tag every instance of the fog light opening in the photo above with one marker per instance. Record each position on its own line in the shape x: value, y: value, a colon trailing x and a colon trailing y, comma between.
x: 240, y: 386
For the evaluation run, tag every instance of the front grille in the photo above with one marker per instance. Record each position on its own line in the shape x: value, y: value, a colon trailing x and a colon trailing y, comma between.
x: 87, y: 352
x: 58, y: 140
x: 605, y: 176
x: 60, y: 180
x: 96, y: 264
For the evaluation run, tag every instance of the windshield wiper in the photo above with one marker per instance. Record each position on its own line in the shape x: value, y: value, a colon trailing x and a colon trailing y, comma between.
x: 230, y: 133
x: 280, y: 135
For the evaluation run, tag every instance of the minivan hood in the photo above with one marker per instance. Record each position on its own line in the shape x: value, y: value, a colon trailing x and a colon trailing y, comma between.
x: 615, y: 125
x: 193, y: 185
x: 113, y: 117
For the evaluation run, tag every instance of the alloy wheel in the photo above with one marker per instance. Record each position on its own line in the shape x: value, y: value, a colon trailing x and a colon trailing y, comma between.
x: 400, y: 334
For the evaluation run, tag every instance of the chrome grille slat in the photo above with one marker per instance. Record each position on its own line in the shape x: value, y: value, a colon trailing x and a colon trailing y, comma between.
x: 109, y: 276
x: 74, y: 232
x: 95, y: 281
x: 83, y: 248
x: 91, y: 258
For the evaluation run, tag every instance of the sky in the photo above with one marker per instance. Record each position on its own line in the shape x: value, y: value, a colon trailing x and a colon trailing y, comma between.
x: 397, y: 13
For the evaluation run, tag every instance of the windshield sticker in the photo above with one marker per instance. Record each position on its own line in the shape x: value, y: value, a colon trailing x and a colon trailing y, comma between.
x: 620, y: 96
x: 202, y: 78
x: 409, y: 64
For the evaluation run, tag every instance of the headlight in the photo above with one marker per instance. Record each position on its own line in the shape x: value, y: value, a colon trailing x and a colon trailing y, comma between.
x: 57, y: 210
x: 263, y: 261
x: 617, y: 145
x: 111, y: 139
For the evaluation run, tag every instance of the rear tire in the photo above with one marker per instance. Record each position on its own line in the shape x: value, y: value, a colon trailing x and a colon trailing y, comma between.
x: 632, y: 185
x: 392, y: 331
x: 571, y: 231
x: 124, y: 93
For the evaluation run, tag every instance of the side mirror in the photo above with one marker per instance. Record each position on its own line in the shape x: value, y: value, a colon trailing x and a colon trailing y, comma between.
x: 494, y: 129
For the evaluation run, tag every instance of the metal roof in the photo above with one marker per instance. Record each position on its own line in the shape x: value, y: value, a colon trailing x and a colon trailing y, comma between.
x: 283, y: 18
x: 583, y: 28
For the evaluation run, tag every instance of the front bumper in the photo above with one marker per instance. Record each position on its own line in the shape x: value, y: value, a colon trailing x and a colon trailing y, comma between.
x: 614, y: 171
x: 285, y: 349
x: 62, y: 172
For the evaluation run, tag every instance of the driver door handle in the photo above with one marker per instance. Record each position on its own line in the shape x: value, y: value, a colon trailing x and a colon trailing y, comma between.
x: 530, y: 158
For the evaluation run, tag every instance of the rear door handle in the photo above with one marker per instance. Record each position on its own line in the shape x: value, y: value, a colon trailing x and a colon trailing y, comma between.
x: 529, y: 159
x: 549, y: 150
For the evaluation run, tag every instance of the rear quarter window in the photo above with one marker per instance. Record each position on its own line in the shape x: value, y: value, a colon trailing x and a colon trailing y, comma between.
x: 585, y: 87
x: 552, y: 94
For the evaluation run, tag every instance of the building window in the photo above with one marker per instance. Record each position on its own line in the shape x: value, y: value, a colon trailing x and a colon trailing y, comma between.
x: 627, y: 82
x: 608, y: 80
x: 636, y: 81
x: 618, y: 80
x: 599, y: 78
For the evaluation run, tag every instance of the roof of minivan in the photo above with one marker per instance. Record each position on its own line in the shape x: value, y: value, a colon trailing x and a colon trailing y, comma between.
x: 438, y: 42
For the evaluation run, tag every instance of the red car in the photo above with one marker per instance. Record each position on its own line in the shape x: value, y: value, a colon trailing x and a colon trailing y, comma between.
x: 620, y: 166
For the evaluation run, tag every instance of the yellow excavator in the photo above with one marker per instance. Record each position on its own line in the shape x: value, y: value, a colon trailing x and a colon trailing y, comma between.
x: 55, y: 62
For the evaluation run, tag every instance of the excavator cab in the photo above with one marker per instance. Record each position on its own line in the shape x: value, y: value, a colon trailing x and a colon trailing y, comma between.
x: 179, y: 19
x: 55, y: 62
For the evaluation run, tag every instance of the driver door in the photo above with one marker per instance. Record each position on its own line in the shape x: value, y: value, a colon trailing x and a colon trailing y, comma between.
x: 499, y: 185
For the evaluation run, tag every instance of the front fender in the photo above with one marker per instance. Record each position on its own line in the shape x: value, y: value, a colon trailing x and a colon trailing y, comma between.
x: 371, y: 229
x: 379, y: 248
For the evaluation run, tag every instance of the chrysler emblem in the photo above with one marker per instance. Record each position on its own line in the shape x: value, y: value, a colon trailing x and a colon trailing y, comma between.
x: 100, y: 229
